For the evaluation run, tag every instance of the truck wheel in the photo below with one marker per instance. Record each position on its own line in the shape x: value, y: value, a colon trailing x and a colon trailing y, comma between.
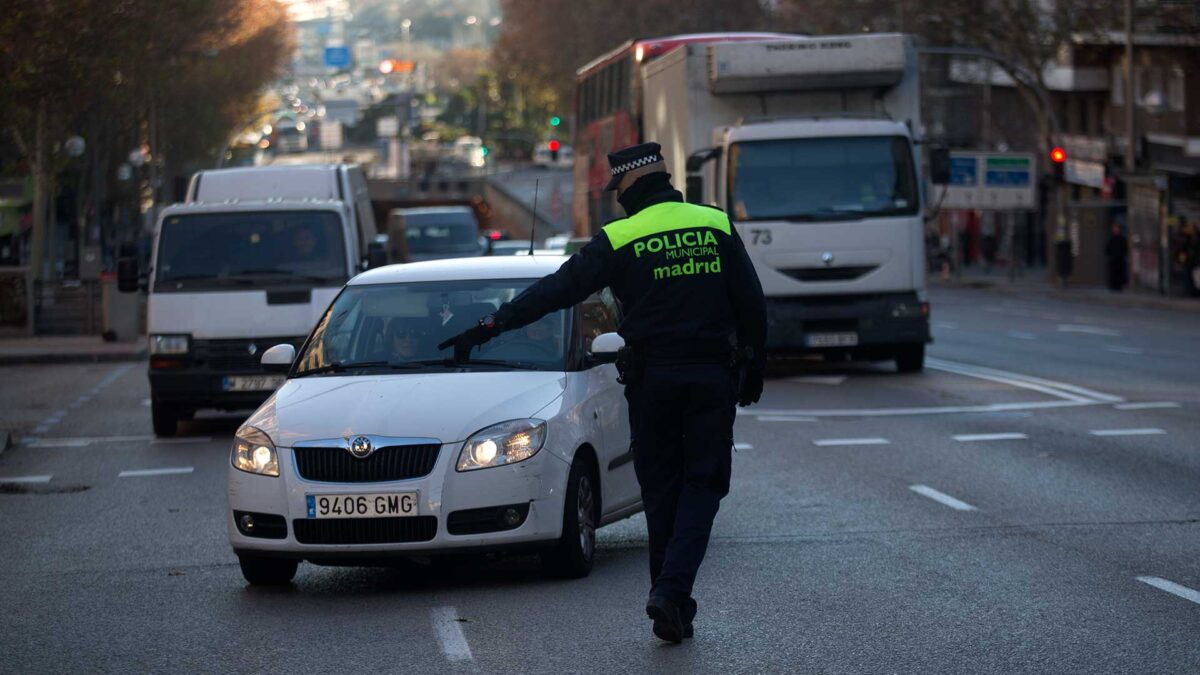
x: 164, y: 417
x: 267, y: 571
x: 573, y: 555
x: 910, y: 359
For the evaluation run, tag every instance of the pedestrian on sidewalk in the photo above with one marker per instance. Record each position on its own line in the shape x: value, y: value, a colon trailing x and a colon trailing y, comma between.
x: 1117, y: 252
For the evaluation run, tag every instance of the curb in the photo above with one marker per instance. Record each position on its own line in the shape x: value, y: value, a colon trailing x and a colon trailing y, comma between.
x: 1125, y: 300
x: 44, y: 357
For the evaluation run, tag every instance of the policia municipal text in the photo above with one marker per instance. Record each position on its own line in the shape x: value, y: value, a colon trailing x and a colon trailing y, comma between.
x: 695, y: 328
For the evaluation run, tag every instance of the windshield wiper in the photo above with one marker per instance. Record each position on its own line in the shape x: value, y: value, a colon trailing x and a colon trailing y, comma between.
x: 343, y: 367
x: 515, y: 365
x: 250, y: 276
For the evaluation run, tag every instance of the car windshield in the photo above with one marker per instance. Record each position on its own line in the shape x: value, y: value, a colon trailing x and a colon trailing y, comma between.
x: 441, y: 232
x: 397, y: 327
x: 822, y: 179
x: 206, y: 250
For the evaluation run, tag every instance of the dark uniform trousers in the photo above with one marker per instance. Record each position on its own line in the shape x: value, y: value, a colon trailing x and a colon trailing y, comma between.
x: 681, y: 423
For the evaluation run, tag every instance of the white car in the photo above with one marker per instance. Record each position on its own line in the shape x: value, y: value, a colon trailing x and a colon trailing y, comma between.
x: 378, y: 446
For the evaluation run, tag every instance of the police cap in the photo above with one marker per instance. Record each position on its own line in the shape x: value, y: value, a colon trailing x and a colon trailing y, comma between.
x: 643, y: 156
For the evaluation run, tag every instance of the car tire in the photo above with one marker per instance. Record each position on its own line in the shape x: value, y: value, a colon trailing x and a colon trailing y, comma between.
x: 267, y: 571
x: 910, y: 359
x: 165, y: 418
x: 572, y: 557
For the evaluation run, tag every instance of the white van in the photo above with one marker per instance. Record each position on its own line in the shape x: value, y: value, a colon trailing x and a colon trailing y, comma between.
x: 228, y: 280
x: 338, y: 182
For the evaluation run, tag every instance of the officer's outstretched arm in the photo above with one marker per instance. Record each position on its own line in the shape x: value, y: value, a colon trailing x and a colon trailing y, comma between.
x: 746, y: 296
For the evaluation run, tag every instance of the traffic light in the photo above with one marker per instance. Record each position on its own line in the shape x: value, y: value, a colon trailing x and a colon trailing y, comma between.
x: 555, y: 121
x: 484, y: 150
x: 553, y: 145
x: 1058, y: 157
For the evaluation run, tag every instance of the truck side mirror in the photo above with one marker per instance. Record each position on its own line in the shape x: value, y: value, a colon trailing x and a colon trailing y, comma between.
x: 376, y: 255
x: 939, y: 166
x: 127, y: 275
x: 695, y: 189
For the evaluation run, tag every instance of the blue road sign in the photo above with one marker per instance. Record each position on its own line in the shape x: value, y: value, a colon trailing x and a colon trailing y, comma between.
x: 963, y: 170
x: 337, y: 57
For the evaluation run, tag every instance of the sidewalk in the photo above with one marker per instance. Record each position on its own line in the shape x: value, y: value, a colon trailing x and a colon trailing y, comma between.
x: 68, y: 349
x: 1035, y: 282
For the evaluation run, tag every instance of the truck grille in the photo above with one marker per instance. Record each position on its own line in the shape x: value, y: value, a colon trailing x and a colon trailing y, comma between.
x: 364, y: 530
x: 234, y: 355
x: 396, y: 462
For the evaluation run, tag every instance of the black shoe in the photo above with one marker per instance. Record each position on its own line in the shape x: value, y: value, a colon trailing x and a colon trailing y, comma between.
x: 667, y: 624
x: 688, y: 631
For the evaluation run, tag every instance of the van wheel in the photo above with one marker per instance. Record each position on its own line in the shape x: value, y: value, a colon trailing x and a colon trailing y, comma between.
x: 910, y: 359
x: 267, y: 571
x: 164, y: 417
x: 573, y: 555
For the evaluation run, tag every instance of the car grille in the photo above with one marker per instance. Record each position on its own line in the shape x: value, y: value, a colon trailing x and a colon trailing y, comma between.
x: 364, y: 530
x: 234, y: 355
x: 396, y: 462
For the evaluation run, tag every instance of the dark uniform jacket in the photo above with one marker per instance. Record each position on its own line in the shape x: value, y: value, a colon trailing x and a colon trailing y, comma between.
x: 686, y: 286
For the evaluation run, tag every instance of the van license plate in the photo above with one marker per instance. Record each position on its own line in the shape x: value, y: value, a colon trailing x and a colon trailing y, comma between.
x: 831, y: 340
x: 252, y: 382
x: 375, y: 505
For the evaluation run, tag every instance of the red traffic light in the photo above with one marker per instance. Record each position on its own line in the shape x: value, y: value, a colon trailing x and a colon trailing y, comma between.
x: 1058, y: 155
x: 554, y: 146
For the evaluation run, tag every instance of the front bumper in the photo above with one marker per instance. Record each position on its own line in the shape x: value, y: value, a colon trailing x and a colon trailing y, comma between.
x: 873, y: 318
x: 537, y: 483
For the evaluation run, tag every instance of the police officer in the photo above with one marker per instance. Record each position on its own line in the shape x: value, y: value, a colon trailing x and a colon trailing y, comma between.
x: 695, y: 326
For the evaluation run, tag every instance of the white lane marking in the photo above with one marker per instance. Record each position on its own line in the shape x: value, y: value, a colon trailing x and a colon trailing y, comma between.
x: 1004, y: 436
x: 1021, y: 335
x: 941, y: 497
x: 1118, y: 349
x: 1149, y: 405
x: 832, y: 380
x: 1172, y: 588
x: 1066, y: 391
x: 146, y: 402
x: 1087, y: 330
x: 1127, y: 432
x: 831, y: 442
x: 742, y: 446
x: 181, y: 441
x: 25, y: 479
x: 1020, y: 312
x: 449, y: 634
x: 784, y: 418
x: 945, y: 325
x: 168, y: 471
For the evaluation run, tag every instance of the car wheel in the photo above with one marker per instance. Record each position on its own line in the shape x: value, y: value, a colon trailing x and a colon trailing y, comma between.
x: 164, y: 417
x: 911, y: 359
x: 267, y: 571
x: 573, y: 555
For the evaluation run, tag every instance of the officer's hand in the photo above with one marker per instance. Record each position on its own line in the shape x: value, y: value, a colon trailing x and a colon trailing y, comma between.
x: 470, y: 338
x: 751, y: 387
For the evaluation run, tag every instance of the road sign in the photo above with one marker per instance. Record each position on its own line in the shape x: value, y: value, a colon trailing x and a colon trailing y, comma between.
x: 337, y: 57
x: 990, y: 180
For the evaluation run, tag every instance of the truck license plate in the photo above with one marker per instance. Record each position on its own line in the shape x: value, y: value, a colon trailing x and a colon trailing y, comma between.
x: 252, y: 382
x: 374, y: 505
x: 831, y: 340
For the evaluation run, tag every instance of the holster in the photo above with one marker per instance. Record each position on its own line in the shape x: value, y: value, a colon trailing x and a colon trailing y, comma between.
x: 629, y: 366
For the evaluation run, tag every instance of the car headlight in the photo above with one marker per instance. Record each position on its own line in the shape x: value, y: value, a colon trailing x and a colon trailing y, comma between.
x: 253, y: 452
x: 500, y: 444
x: 169, y: 345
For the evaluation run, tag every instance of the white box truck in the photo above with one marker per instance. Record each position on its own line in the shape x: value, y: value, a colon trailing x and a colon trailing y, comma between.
x: 811, y: 145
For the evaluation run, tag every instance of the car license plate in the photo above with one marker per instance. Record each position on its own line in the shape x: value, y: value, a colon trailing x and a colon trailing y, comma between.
x: 252, y: 382
x: 831, y: 340
x: 375, y: 505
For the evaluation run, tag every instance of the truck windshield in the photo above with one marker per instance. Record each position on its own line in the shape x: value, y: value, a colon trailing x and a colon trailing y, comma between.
x: 397, y: 327
x: 822, y: 179
x: 441, y: 232
x: 218, y: 250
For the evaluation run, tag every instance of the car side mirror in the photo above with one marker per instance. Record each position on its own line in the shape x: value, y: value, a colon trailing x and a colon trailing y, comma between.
x: 127, y: 275
x: 376, y: 255
x: 939, y: 166
x: 278, y: 359
x: 605, y: 347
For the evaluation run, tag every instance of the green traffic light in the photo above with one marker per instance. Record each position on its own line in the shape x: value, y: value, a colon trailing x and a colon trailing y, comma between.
x: 485, y: 151
x: 555, y: 121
